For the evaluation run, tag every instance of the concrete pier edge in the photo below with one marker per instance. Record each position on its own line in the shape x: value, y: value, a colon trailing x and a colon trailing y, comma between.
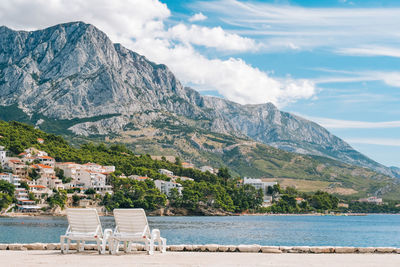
x: 221, y: 248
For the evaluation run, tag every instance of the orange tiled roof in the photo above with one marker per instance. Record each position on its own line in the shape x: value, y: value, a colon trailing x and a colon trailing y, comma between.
x: 41, y: 166
x: 37, y: 186
x: 45, y: 157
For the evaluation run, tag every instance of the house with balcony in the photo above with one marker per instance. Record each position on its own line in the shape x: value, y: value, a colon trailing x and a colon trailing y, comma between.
x: 3, y: 156
x: 165, y: 187
x: 11, y: 178
x: 18, y: 167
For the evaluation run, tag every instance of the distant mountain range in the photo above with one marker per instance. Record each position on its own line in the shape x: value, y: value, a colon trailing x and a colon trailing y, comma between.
x: 71, y: 79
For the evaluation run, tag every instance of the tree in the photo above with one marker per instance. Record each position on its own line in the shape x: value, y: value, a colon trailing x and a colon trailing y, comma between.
x: 59, y: 198
x: 224, y: 174
x: 90, y: 191
x: 75, y: 200
x: 34, y: 174
x: 6, y: 193
x: 178, y: 161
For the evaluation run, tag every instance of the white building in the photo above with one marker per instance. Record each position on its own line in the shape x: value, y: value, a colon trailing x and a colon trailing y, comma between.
x: 209, y: 169
x: 3, y: 155
x: 138, y: 178
x: 375, y: 200
x: 11, y: 178
x: 33, y: 152
x: 46, y: 160
x: 89, y: 175
x: 165, y: 186
x: 166, y: 172
x: 258, y: 184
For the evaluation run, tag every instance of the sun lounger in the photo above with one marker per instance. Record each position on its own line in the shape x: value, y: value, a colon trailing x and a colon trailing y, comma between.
x: 132, y: 226
x: 84, y: 225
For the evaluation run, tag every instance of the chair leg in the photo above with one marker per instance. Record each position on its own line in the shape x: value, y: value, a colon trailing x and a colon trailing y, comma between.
x: 82, y: 247
x: 125, y: 246
x: 163, y: 246
x: 106, y: 239
x: 62, y: 240
x: 151, y: 250
x: 68, y: 245
x: 99, y: 247
x: 116, y: 246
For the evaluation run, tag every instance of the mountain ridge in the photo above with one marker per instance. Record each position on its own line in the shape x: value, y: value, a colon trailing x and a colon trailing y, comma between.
x: 73, y: 72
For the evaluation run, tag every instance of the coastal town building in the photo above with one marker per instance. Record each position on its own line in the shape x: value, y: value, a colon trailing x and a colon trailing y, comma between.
x: 209, y: 169
x: 11, y: 178
x: 40, y: 191
x: 375, y: 200
x: 3, y: 156
x: 166, y: 172
x: 33, y: 152
x: 165, y: 186
x: 187, y: 165
x: 18, y: 167
x: 182, y: 178
x: 46, y: 160
x: 89, y: 175
x: 259, y: 184
x: 139, y: 178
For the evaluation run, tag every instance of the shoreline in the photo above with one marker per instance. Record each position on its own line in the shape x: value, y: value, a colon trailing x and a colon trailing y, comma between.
x: 102, y: 214
x: 184, y: 248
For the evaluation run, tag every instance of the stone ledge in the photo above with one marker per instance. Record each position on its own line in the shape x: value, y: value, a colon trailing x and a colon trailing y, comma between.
x: 219, y: 248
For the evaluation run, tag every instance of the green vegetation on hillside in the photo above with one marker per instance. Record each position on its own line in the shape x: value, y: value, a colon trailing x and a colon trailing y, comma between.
x: 206, y: 187
x: 6, y: 194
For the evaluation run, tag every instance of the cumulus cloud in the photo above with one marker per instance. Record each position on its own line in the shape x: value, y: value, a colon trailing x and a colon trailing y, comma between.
x: 197, y: 17
x: 140, y: 26
x: 214, y: 37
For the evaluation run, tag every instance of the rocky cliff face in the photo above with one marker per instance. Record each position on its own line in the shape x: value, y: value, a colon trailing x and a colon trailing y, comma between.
x: 73, y: 72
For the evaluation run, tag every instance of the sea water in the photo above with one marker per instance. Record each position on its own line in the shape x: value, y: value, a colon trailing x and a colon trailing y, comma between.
x: 360, y: 231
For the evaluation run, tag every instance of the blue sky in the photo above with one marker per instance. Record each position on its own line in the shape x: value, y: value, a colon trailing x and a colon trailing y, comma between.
x: 335, y: 62
x: 360, y: 98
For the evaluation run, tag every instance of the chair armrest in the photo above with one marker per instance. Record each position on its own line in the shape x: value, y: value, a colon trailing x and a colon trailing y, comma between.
x: 146, y: 229
x: 106, y: 236
x: 155, y: 234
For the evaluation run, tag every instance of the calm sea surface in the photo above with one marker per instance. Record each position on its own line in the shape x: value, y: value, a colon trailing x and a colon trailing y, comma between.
x: 363, y: 231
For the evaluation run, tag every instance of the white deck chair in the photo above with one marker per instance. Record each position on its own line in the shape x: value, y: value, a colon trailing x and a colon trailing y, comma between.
x: 132, y: 226
x: 84, y: 225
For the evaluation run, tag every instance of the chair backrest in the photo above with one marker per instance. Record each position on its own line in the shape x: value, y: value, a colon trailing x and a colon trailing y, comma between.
x: 131, y: 220
x: 84, y: 221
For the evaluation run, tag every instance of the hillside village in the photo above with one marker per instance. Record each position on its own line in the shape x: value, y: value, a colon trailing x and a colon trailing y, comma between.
x: 47, y: 174
x: 37, y: 176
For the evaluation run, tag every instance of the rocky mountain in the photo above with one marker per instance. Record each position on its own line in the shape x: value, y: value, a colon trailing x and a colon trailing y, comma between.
x: 70, y: 78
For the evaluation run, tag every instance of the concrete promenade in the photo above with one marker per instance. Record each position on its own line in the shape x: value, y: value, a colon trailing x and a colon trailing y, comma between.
x: 92, y: 258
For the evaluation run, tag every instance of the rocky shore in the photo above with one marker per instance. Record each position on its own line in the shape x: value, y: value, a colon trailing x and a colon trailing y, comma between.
x: 222, y: 248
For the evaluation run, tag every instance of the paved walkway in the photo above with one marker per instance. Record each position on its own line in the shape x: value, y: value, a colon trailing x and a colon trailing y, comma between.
x: 55, y: 258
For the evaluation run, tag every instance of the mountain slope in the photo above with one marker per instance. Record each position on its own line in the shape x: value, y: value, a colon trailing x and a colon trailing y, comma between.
x: 71, y: 76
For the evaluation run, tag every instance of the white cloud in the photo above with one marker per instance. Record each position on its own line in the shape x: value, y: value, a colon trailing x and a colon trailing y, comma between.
x: 348, y: 124
x: 197, y: 17
x: 337, y: 29
x: 139, y: 25
x: 214, y: 37
x: 370, y: 51
x: 390, y: 78
x: 375, y: 141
